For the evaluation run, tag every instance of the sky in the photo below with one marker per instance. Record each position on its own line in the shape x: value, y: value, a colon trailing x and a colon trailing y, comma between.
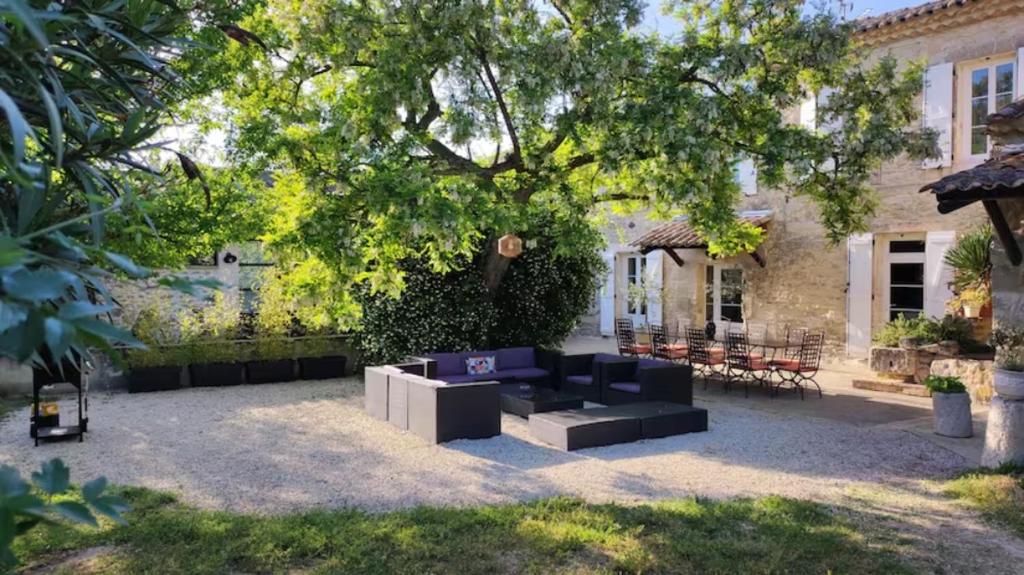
x: 664, y: 25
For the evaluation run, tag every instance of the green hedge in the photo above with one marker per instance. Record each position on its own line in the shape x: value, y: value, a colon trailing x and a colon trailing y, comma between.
x: 540, y: 301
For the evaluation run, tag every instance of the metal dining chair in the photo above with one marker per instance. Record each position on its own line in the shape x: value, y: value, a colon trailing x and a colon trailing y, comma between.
x: 625, y: 336
x: 662, y: 349
x: 701, y: 356
x: 802, y: 369
x: 742, y: 364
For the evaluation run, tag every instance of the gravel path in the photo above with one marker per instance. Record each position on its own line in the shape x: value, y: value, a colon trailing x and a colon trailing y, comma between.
x: 283, y: 447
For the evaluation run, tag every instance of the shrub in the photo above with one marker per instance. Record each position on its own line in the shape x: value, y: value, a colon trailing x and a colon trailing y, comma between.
x: 927, y: 330
x: 971, y: 261
x: 154, y: 327
x: 944, y: 384
x: 540, y: 301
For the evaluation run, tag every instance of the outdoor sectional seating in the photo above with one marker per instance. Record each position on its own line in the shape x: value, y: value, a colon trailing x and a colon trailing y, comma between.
x: 584, y: 374
x: 512, y: 364
x: 435, y: 410
x: 647, y: 380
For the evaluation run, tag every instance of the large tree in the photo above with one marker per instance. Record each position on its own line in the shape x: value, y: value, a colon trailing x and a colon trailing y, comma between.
x: 428, y: 128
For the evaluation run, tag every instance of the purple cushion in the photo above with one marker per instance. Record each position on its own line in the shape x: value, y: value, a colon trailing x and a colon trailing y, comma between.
x: 468, y: 378
x: 449, y: 363
x: 626, y: 386
x: 521, y: 373
x: 608, y: 357
x: 515, y: 358
x: 580, y: 379
x: 654, y: 363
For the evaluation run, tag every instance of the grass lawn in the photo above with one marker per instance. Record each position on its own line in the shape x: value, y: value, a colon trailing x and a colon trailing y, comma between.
x: 997, y: 494
x: 769, y: 535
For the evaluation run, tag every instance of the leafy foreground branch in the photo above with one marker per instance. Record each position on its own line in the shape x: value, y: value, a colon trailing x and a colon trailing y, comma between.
x: 48, y: 501
x: 556, y: 535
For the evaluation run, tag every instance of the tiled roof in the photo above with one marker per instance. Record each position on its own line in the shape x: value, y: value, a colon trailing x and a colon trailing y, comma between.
x: 679, y: 233
x: 940, y: 7
x: 998, y: 178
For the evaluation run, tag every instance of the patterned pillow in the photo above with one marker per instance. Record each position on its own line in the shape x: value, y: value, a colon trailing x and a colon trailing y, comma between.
x: 480, y: 365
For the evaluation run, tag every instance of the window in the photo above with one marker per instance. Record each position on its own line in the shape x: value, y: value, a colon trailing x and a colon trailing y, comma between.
x: 905, y: 292
x: 723, y: 294
x: 636, y: 267
x: 986, y: 87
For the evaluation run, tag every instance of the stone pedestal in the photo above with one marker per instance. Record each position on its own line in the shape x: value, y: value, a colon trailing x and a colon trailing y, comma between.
x: 1004, y: 438
x: 952, y: 413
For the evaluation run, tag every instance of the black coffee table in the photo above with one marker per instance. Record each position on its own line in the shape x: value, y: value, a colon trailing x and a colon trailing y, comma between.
x: 524, y: 399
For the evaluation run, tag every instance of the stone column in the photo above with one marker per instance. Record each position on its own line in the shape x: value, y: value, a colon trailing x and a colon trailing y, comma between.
x: 1004, y: 437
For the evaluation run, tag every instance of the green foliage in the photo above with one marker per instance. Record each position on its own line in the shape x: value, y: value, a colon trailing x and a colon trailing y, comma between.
x: 159, y: 331
x: 82, y: 92
x: 927, y: 330
x: 25, y: 506
x: 547, y: 536
x: 971, y: 260
x: 209, y: 334
x: 543, y: 297
x: 419, y: 130
x: 941, y: 384
x: 1009, y: 344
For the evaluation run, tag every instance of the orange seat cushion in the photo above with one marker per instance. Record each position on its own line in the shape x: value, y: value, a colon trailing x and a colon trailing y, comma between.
x: 641, y: 348
x: 675, y: 353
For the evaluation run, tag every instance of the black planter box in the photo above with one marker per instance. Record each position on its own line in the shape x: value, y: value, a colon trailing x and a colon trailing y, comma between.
x: 215, y: 374
x: 270, y: 371
x: 322, y: 367
x: 144, y: 379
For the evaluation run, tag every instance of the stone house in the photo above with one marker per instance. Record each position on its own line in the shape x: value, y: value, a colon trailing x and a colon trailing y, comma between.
x: 973, y: 52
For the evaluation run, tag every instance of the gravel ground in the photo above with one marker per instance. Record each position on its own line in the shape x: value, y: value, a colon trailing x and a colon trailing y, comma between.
x: 283, y: 447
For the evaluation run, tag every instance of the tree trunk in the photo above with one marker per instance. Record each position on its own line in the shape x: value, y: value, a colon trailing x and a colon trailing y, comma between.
x: 495, y: 266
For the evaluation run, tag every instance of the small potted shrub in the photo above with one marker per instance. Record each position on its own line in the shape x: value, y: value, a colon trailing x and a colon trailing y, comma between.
x: 158, y: 368
x: 951, y: 406
x: 210, y: 335
x: 972, y: 300
x: 1008, y: 379
x: 320, y: 359
x: 273, y: 347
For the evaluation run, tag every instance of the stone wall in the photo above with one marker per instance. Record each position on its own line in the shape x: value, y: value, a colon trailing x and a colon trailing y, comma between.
x: 974, y: 373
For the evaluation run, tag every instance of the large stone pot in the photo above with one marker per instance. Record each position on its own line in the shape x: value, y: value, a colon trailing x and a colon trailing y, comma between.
x: 1009, y: 384
x: 952, y: 413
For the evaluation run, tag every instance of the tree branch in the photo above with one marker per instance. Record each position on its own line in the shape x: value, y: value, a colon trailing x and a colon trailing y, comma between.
x: 561, y: 11
x: 496, y: 90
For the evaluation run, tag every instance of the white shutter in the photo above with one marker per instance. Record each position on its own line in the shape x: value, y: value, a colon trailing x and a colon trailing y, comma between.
x: 1020, y: 73
x: 938, y: 111
x: 746, y: 177
x: 858, y: 295
x: 607, y: 296
x: 937, y: 274
x: 808, y: 113
x: 654, y: 285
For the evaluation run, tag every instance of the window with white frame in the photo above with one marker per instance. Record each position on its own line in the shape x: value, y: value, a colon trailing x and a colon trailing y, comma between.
x: 905, y: 278
x: 636, y: 267
x: 985, y: 87
x: 723, y: 293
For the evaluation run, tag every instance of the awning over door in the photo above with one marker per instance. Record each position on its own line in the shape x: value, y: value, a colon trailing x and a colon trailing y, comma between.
x: 679, y: 234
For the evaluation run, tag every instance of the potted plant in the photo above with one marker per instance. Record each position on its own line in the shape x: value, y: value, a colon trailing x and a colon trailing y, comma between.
x: 951, y: 406
x: 320, y: 359
x: 1008, y: 379
x: 159, y: 367
x: 211, y: 337
x: 971, y: 300
x: 273, y: 347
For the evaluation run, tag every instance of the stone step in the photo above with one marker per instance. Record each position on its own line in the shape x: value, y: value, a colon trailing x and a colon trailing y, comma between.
x: 892, y: 386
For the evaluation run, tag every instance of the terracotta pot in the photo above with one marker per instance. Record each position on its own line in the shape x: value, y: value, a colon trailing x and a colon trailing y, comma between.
x: 1009, y: 384
x: 971, y: 312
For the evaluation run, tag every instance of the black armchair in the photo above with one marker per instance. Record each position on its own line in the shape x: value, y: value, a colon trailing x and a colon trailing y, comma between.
x: 584, y: 374
x: 647, y: 380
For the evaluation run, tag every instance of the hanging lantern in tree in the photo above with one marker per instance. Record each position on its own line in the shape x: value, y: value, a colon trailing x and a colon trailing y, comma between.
x: 510, y: 246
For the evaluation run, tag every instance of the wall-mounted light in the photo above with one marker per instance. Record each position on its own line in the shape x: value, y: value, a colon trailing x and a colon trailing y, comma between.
x: 230, y: 258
